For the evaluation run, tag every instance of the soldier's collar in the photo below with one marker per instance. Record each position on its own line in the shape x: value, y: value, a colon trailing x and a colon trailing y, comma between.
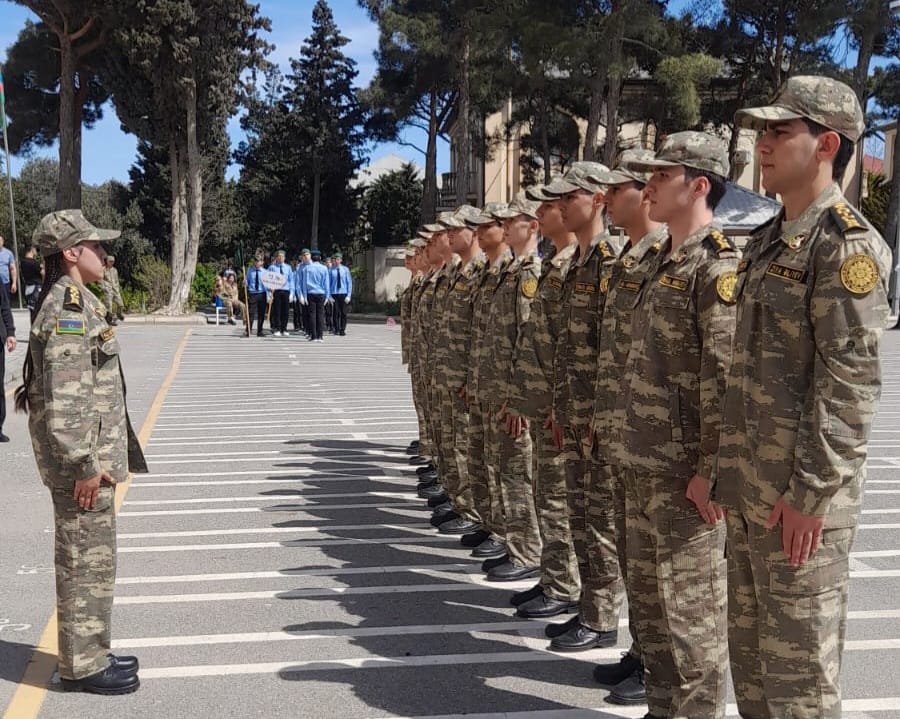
x: 794, y: 233
x: 653, y: 242
x: 693, y: 239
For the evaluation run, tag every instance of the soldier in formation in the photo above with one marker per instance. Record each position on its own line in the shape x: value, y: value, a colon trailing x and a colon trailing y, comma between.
x: 587, y: 417
x: 112, y: 291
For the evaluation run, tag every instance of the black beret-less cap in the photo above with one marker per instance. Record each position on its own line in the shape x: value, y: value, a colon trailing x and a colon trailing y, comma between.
x: 63, y: 229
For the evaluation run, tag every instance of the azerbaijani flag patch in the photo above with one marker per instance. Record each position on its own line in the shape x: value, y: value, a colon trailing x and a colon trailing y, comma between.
x: 70, y: 327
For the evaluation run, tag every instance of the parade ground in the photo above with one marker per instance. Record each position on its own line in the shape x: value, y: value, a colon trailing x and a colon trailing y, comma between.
x: 277, y: 562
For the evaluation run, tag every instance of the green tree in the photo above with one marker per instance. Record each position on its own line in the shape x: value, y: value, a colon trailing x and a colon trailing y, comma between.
x: 392, y: 206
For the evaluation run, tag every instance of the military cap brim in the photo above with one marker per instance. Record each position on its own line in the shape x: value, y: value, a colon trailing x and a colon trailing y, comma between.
x: 539, y: 194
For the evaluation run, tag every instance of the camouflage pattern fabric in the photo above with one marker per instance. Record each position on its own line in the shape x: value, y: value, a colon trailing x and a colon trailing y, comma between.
x: 699, y: 150
x: 422, y: 341
x: 531, y: 396
x: 670, y: 413
x: 803, y: 390
x: 589, y: 483
x: 508, y: 315
x: 112, y: 294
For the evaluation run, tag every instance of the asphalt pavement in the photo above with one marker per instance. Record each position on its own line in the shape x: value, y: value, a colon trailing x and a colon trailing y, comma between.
x: 278, y: 563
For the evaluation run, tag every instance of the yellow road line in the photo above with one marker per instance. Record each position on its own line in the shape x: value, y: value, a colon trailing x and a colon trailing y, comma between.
x: 32, y: 690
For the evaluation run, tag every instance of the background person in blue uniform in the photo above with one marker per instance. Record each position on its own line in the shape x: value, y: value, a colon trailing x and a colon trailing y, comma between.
x: 341, y: 286
x: 315, y: 292
x: 281, y: 299
x: 257, y: 295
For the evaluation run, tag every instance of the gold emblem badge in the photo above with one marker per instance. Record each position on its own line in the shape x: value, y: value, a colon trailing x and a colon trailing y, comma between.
x: 859, y: 274
x: 725, y: 285
x: 529, y: 287
x: 795, y: 243
x: 629, y: 262
x: 604, y: 285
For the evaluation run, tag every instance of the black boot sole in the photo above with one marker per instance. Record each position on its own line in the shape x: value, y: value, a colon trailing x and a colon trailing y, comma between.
x: 73, y: 686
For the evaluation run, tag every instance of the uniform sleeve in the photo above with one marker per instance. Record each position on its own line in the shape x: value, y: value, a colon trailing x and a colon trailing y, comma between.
x: 73, y: 423
x: 716, y: 317
x: 523, y: 316
x: 838, y: 412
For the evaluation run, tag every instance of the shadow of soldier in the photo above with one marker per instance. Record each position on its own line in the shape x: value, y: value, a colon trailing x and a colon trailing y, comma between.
x: 416, y: 629
x: 16, y: 658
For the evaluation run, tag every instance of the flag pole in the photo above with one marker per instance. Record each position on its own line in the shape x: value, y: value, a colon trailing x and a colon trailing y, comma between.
x: 12, y: 210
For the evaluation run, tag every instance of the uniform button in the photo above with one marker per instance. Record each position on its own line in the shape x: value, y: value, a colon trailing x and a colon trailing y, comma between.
x: 851, y: 345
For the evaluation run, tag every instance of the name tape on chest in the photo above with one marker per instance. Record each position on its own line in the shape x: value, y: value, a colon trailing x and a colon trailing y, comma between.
x: 629, y: 285
x: 791, y: 274
x: 70, y: 327
x: 461, y: 287
x: 554, y: 282
x: 676, y: 283
x: 585, y: 288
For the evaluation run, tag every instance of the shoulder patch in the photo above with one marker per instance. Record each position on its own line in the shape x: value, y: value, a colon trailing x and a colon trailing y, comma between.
x: 529, y: 287
x: 718, y: 242
x: 107, y: 334
x: 725, y: 285
x: 847, y: 218
x: 70, y: 327
x: 72, y: 299
x: 859, y: 274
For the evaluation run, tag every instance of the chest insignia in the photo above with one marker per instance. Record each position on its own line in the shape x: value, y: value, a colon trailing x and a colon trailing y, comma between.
x: 70, y: 327
x: 725, y: 285
x: 529, y: 287
x: 792, y: 274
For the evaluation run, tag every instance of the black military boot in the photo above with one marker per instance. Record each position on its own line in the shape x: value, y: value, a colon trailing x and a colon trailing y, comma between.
x: 489, y: 549
x: 630, y: 691
x: 581, y: 637
x: 509, y: 571
x: 556, y: 630
x: 110, y: 682
x: 608, y: 675
x: 473, y: 539
x: 125, y: 663
x: 543, y: 606
x: 526, y: 596
x: 460, y: 525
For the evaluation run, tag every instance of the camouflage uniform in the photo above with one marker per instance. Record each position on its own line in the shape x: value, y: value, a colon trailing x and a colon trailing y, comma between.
x: 420, y: 348
x: 79, y: 428
x: 670, y: 414
x: 531, y: 396
x: 510, y: 458
x: 230, y: 294
x: 589, y: 482
x: 635, y: 264
x: 483, y: 473
x: 112, y: 292
x: 802, y: 393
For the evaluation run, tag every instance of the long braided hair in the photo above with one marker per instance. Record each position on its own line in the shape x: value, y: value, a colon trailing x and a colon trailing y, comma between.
x: 54, y: 269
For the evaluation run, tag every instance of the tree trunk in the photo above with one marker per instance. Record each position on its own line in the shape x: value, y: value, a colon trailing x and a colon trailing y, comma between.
x: 68, y: 188
x: 545, y: 139
x: 428, y: 208
x: 860, y: 77
x: 616, y: 74
x: 317, y: 192
x: 598, y: 82
x: 892, y: 225
x: 179, y: 219
x: 464, y: 140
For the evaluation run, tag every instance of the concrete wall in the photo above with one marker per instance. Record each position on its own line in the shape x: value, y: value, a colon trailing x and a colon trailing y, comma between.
x: 385, y: 273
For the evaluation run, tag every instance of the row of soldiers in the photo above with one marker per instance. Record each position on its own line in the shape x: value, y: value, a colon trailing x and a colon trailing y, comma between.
x: 605, y: 418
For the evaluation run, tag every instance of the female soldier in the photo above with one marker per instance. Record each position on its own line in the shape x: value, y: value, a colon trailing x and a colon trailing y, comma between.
x: 74, y: 392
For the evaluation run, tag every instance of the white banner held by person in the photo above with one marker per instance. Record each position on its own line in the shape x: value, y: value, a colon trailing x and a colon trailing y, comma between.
x: 273, y: 281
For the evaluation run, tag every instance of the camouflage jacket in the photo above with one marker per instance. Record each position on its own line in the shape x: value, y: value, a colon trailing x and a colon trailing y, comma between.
x: 531, y: 391
x: 805, y: 382
x: 459, y: 314
x: 509, y: 310
x: 575, y: 370
x: 482, y: 299
x: 111, y: 277
x: 670, y: 407
x: 406, y: 319
x: 441, y: 320
x: 419, y: 337
x: 78, y: 420
x: 635, y: 265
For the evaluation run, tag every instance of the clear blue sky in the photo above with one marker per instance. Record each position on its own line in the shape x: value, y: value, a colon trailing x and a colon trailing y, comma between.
x: 108, y: 152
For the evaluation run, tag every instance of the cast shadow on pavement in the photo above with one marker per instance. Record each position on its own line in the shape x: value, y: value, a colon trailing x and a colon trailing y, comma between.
x: 15, y: 658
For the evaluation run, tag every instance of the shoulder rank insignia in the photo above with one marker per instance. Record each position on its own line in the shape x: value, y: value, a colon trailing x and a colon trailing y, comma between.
x: 847, y: 218
x: 725, y: 285
x: 107, y: 334
x: 604, y: 285
x: 859, y: 274
x: 529, y: 287
x: 70, y: 327
x: 719, y: 242
x: 605, y: 250
x: 629, y: 262
x: 72, y: 300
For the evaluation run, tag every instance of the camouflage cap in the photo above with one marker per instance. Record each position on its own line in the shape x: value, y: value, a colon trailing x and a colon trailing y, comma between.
x: 539, y: 193
x: 521, y: 205
x: 589, y: 176
x: 627, y: 169
x: 486, y: 215
x: 824, y: 100
x: 63, y: 229
x: 425, y: 234
x: 457, y: 219
x: 410, y: 251
x: 699, y: 150
x: 418, y: 242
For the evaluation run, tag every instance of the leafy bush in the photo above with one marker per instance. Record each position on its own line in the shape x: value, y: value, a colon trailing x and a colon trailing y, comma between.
x: 154, y: 277
x: 202, y: 285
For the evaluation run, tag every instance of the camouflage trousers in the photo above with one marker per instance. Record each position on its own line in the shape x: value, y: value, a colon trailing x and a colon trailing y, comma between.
x: 454, y: 433
x: 593, y: 526
x: 482, y: 474
x: 559, y: 564
x: 85, y: 556
x: 786, y: 626
x: 436, y: 429
x: 676, y: 583
x: 420, y: 414
x: 511, y: 460
x: 112, y: 298
x: 618, y: 487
